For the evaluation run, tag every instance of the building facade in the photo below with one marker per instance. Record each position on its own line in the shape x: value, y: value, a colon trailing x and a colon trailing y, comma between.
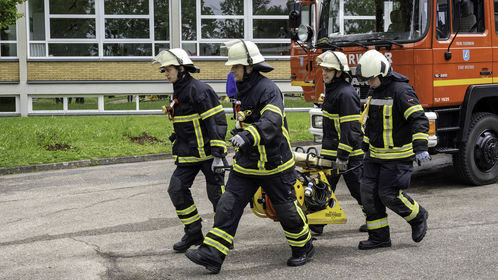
x: 62, y: 50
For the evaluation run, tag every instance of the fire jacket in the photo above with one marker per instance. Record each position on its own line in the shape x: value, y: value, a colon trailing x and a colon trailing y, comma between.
x: 342, y: 134
x: 396, y: 127
x: 268, y: 151
x: 199, y: 122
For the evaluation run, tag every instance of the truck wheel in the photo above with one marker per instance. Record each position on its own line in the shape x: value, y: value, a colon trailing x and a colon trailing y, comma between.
x: 477, y: 161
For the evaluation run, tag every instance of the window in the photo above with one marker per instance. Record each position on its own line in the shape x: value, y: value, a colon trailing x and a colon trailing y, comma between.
x: 98, y: 28
x: 8, y: 42
x: 442, y: 24
x: 207, y: 24
x: 468, y: 16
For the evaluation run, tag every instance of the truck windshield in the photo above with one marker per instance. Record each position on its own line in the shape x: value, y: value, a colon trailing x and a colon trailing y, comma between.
x: 372, y: 22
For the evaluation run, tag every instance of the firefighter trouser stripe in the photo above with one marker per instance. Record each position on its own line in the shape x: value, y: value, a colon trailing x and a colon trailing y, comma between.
x: 412, y: 206
x: 222, y: 234
x: 215, y: 244
x: 301, y: 238
x: 376, y: 224
x: 188, y: 215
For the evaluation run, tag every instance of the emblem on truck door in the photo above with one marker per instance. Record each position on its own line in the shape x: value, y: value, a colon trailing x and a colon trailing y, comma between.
x: 466, y: 55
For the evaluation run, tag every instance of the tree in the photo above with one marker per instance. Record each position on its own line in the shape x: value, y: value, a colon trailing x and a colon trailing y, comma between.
x: 8, y: 12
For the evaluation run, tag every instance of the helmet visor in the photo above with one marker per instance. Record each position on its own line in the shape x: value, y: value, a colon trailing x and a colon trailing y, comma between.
x: 360, y: 76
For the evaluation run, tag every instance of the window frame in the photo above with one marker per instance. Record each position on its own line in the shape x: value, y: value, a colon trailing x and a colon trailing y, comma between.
x: 100, y: 39
x: 16, y: 57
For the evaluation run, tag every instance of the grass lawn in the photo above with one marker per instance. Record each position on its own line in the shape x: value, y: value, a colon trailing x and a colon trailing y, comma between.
x: 35, y: 140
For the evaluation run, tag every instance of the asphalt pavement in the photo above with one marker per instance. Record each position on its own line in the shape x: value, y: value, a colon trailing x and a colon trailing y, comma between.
x: 117, y: 222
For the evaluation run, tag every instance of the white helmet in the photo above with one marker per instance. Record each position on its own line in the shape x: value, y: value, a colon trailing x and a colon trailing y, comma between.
x: 372, y: 64
x: 335, y: 60
x: 175, y: 57
x: 243, y: 52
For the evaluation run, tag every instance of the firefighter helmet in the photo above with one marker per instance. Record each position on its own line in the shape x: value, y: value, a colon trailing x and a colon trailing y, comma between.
x: 372, y: 64
x: 243, y: 52
x: 335, y: 60
x: 174, y: 57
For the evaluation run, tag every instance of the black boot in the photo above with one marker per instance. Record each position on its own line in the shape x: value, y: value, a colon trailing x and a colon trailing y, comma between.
x: 372, y: 244
x: 363, y: 228
x: 317, y: 229
x: 377, y: 238
x: 419, y: 228
x: 301, y: 254
x: 193, y: 236
x: 198, y: 257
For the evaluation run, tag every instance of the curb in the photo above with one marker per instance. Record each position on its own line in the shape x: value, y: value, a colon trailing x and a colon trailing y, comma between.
x: 104, y: 161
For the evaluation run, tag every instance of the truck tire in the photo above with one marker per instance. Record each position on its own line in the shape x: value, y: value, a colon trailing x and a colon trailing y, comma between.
x: 477, y: 161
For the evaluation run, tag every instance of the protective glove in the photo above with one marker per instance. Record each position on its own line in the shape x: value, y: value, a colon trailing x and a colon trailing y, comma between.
x: 217, y: 163
x: 422, y: 157
x: 237, y: 141
x: 341, y: 165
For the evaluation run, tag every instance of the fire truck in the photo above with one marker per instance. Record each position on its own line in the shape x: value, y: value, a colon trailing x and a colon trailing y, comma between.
x: 447, y: 48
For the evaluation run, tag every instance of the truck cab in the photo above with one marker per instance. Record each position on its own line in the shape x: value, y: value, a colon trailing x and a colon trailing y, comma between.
x: 447, y: 48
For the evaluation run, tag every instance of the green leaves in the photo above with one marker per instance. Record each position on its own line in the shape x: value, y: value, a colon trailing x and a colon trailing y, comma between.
x: 8, y: 12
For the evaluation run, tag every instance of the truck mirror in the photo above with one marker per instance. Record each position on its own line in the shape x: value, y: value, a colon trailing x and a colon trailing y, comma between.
x: 294, y: 15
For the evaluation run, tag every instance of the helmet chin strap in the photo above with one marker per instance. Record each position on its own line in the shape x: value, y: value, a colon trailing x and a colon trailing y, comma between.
x: 181, y: 74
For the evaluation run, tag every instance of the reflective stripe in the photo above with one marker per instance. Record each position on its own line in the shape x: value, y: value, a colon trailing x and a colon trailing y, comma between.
x: 190, y: 220
x: 388, y: 126
x: 382, y: 102
x: 391, y: 155
x: 300, y: 212
x: 211, y: 112
x: 272, y: 108
x: 356, y: 153
x: 345, y: 147
x: 412, y: 109
x: 335, y: 119
x: 286, y: 135
x: 403, y: 148
x: 220, y: 233
x: 198, y: 135
x: 414, y: 207
x: 366, y: 139
x: 187, y: 210
x: 420, y: 136
x: 297, y: 235
x: 262, y: 157
x: 300, y: 243
x: 325, y: 152
x: 255, y: 134
x: 217, y: 245
x: 376, y: 224
x: 191, y: 159
x: 218, y: 143
x: 329, y: 115
x: 187, y: 118
x: 248, y: 171
x: 349, y: 118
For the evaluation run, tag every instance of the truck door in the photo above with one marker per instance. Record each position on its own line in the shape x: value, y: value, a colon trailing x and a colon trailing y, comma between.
x: 468, y: 60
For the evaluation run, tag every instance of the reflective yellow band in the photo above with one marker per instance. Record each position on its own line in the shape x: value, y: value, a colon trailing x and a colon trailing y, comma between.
x: 412, y: 109
x: 300, y: 243
x: 272, y: 108
x: 223, y: 234
x: 187, y: 118
x: 255, y: 134
x: 350, y: 118
x: 247, y: 171
x: 329, y: 115
x: 190, y: 220
x: 192, y: 159
x: 217, y: 245
x: 345, y: 147
x: 403, y: 148
x: 414, y: 207
x: 325, y: 152
x: 187, y: 210
x: 356, y: 153
x: 376, y: 224
x: 388, y: 126
x: 391, y: 155
x: 459, y: 82
x: 212, y: 111
x: 420, y: 136
x: 366, y: 139
x: 297, y: 235
x: 302, y: 84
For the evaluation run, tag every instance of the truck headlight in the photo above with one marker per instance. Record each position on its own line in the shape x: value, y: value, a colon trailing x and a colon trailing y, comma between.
x: 317, y: 121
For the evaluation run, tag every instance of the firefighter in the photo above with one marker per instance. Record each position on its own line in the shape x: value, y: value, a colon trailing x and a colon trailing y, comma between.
x: 396, y: 133
x: 342, y: 136
x: 199, y: 130
x: 263, y: 158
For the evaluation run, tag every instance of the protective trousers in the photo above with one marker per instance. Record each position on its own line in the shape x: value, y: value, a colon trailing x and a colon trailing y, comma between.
x: 382, y: 186
x: 352, y: 179
x: 239, y: 191
x: 179, y: 189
